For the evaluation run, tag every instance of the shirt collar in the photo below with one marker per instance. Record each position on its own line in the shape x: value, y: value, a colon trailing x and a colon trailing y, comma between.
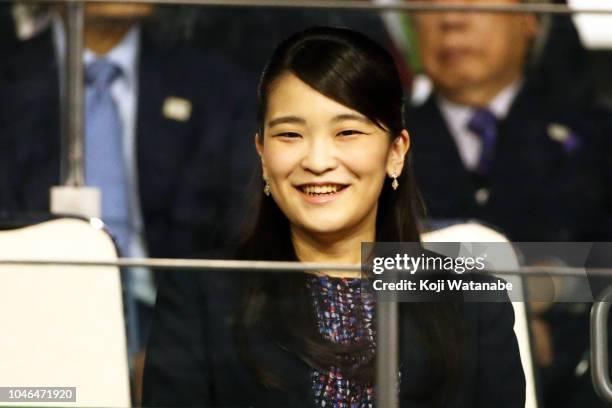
x: 124, y: 55
x: 499, y: 105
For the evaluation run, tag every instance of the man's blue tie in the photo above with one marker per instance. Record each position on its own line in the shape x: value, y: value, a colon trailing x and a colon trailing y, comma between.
x: 104, y: 162
x: 484, y: 124
x: 105, y: 167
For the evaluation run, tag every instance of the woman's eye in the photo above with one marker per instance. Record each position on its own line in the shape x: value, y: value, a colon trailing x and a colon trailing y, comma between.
x: 350, y: 132
x: 288, y: 134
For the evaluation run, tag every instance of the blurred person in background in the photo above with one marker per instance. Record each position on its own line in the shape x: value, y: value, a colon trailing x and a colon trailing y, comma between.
x: 7, y: 29
x: 158, y: 117
x: 571, y: 70
x: 490, y: 145
x: 493, y: 140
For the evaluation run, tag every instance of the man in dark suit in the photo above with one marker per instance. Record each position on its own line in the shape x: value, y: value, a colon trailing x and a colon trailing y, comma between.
x: 186, y: 122
x: 190, y: 108
x: 489, y: 145
x: 540, y: 177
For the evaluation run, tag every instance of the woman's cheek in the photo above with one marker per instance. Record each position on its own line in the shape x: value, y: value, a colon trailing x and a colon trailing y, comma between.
x: 280, y: 160
x: 367, y: 162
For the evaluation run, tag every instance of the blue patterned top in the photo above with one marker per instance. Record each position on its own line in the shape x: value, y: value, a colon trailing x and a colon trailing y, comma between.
x: 345, y: 315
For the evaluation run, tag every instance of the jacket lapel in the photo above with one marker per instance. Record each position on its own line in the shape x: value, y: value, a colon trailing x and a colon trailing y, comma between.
x: 150, y: 157
x: 435, y: 149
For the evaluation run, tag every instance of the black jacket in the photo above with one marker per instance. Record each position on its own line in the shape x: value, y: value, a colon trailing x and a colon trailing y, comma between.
x: 540, y: 189
x: 192, y: 358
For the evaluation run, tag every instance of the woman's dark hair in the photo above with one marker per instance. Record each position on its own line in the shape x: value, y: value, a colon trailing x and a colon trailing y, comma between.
x: 356, y: 72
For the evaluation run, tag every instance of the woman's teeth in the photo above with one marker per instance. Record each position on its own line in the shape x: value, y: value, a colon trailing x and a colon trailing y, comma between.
x: 330, y: 189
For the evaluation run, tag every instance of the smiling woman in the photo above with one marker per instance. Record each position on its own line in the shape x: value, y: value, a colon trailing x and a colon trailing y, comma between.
x: 332, y: 142
x: 325, y: 164
x: 335, y: 172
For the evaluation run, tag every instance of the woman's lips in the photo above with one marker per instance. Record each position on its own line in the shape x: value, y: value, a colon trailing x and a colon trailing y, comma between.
x: 320, y: 198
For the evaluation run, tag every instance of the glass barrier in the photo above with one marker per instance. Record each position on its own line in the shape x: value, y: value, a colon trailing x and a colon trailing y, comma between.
x: 507, y: 122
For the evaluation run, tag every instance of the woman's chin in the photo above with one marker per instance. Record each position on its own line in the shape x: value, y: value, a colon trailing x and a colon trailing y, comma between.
x: 325, y: 230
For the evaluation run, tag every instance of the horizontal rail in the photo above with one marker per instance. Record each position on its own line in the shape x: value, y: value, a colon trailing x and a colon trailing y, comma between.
x: 191, y: 264
x: 415, y: 6
x: 276, y: 266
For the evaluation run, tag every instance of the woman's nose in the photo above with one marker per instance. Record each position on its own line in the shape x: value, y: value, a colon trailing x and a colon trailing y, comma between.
x: 320, y: 155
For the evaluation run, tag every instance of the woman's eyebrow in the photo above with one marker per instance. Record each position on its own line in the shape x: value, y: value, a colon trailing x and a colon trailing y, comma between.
x: 350, y: 116
x: 286, y: 119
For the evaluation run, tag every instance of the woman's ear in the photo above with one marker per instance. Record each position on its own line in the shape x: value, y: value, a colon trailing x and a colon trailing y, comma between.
x: 397, y: 153
x: 259, y: 147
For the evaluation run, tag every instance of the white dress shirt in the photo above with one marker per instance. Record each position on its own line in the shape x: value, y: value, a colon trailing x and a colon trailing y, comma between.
x: 458, y: 116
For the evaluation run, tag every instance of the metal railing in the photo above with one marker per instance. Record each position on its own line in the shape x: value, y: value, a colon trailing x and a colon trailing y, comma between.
x: 416, y: 6
x: 282, y: 266
x: 600, y: 370
x: 73, y: 145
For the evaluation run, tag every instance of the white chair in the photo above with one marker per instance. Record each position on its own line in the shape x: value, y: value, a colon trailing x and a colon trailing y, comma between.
x: 63, y: 326
x: 500, y: 257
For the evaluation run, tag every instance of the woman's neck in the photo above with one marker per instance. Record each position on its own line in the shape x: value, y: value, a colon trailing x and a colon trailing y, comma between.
x: 337, y: 248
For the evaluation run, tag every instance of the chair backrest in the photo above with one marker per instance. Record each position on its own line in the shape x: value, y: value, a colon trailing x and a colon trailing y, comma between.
x: 63, y: 326
x: 504, y: 257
